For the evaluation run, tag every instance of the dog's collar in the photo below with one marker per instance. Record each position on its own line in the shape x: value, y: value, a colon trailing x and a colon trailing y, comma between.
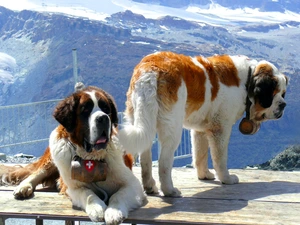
x: 87, y: 146
x: 248, y: 126
x: 248, y: 102
x: 88, y: 170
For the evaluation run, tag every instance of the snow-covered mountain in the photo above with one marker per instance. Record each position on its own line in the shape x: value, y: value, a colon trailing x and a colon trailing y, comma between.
x: 261, y: 5
x: 209, y: 11
x: 111, y: 36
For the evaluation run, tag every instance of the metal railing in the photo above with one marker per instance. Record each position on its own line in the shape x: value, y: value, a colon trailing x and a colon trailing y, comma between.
x: 25, y: 128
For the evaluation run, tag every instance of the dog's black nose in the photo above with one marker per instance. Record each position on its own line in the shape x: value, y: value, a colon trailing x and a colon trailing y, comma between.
x: 102, y: 119
x: 282, y: 105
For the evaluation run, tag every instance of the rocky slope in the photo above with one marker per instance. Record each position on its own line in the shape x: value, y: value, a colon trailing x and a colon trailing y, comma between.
x: 288, y: 160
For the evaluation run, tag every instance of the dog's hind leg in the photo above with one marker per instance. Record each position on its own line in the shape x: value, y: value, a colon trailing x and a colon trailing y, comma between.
x: 200, y: 155
x: 147, y: 178
x: 42, y: 171
x: 26, y: 188
x: 169, y: 126
x: 170, y: 138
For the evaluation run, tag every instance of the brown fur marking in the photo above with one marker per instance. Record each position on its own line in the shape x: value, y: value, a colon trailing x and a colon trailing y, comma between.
x: 265, y: 69
x: 171, y: 68
x: 224, y: 68
x: 211, y: 75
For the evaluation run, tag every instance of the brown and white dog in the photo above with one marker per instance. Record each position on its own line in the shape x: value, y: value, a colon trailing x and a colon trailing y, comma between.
x: 88, y: 127
x: 169, y: 91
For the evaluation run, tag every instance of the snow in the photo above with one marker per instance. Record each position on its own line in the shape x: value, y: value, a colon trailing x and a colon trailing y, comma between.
x: 93, y: 10
x: 164, y: 27
x: 140, y: 42
x: 98, y: 10
x: 8, y: 66
x: 245, y: 14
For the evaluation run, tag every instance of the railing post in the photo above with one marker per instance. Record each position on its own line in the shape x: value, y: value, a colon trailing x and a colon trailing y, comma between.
x: 75, y: 71
x: 2, y: 220
x: 39, y: 222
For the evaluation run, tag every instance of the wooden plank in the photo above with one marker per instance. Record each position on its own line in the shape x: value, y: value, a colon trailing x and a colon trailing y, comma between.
x: 254, y: 184
x: 163, y: 210
x: 41, y: 205
x: 216, y: 211
x: 262, y: 197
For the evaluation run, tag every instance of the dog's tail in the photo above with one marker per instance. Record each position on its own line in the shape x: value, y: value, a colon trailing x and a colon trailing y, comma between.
x: 141, y: 113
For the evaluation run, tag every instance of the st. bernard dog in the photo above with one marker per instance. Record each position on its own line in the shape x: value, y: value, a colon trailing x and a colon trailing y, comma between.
x: 169, y: 91
x: 86, y: 139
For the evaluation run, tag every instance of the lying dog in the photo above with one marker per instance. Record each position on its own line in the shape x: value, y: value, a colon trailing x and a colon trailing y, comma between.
x: 86, y: 139
x: 169, y: 91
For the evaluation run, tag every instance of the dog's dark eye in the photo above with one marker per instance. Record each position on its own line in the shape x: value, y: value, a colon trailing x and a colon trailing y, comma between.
x: 87, y: 108
x: 104, y: 106
x: 283, y: 95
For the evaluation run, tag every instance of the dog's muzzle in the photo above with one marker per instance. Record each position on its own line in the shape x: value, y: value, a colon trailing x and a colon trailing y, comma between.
x: 278, y: 114
x: 99, y: 135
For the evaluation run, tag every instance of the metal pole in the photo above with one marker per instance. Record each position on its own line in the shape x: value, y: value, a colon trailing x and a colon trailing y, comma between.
x: 75, y: 72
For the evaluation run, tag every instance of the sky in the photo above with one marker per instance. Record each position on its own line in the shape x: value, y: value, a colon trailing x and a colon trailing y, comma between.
x: 99, y: 10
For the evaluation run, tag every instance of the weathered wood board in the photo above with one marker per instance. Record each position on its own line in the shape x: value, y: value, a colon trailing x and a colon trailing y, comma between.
x: 261, y: 197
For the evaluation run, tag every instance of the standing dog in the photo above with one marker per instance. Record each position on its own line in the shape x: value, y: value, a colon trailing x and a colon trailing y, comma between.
x: 169, y: 91
x: 87, y: 132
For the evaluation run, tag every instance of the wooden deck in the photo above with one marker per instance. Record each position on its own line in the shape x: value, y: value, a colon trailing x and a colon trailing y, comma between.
x: 261, y: 197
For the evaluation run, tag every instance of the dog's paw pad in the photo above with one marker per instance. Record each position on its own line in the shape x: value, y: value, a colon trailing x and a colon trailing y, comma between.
x: 172, y: 193
x: 95, y: 212
x: 151, y: 190
x: 114, y: 216
x: 23, y: 191
x: 231, y: 179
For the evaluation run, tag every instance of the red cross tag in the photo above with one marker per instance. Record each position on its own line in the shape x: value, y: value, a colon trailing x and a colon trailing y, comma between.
x: 89, y: 165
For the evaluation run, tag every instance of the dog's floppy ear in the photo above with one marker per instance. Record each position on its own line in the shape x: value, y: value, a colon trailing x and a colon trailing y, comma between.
x: 261, y: 88
x: 287, y: 80
x: 65, y: 112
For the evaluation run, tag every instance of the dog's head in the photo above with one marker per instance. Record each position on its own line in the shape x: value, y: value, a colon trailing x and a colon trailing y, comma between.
x: 266, y: 92
x: 89, y: 116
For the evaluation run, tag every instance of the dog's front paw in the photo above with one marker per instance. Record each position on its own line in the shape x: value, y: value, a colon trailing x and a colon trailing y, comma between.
x: 230, y: 179
x: 173, y: 192
x: 95, y: 212
x: 114, y: 216
x: 150, y: 186
x: 151, y: 190
x: 23, y: 191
